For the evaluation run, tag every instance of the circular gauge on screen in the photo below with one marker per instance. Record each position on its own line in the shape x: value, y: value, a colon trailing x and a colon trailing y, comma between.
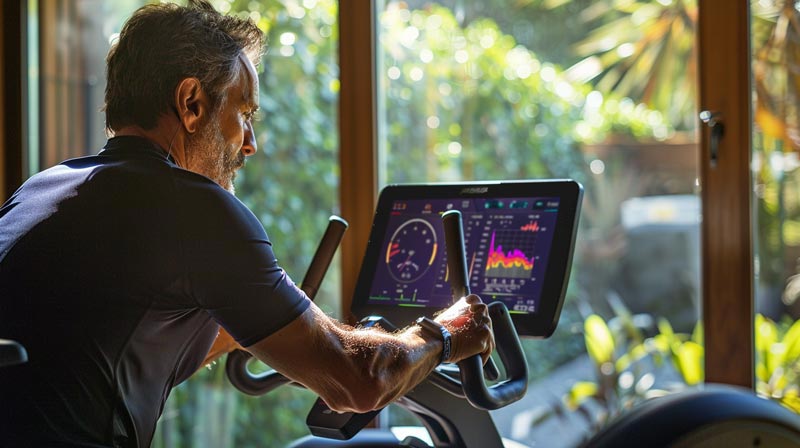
x: 411, y: 250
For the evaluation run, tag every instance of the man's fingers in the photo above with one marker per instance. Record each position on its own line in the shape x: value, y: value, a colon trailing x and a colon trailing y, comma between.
x: 481, y: 317
x: 472, y: 298
x: 469, y: 322
x: 489, y: 347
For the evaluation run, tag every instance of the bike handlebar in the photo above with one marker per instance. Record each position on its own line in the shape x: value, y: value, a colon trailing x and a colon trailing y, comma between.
x: 236, y: 364
x: 471, y: 386
x: 507, y: 342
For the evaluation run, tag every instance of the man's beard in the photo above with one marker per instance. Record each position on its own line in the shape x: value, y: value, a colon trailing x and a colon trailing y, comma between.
x: 210, y: 155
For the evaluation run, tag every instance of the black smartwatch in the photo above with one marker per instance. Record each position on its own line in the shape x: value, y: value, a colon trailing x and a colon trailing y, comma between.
x: 434, y: 328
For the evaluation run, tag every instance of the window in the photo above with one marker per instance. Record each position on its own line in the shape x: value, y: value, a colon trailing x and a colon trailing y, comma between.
x: 593, y: 91
x: 66, y: 76
x: 775, y: 178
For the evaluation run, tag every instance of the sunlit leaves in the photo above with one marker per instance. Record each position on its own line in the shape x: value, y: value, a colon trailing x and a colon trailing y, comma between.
x: 599, y: 341
x: 579, y: 393
x: 776, y: 56
x: 689, y: 357
x: 644, y: 50
x: 517, y: 116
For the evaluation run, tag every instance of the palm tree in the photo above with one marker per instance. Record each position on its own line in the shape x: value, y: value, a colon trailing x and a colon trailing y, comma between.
x: 645, y: 50
x: 776, y: 73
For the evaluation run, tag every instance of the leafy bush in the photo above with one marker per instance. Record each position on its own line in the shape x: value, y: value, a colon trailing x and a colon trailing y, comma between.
x: 620, y: 386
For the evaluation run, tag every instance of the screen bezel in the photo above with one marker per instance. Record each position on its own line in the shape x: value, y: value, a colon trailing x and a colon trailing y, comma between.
x: 537, y: 325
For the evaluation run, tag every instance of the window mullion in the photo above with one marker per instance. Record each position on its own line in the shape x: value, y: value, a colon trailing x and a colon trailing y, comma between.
x: 727, y: 253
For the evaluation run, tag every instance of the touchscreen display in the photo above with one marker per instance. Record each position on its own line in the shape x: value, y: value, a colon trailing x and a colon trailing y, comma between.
x: 507, y: 241
x: 518, y: 239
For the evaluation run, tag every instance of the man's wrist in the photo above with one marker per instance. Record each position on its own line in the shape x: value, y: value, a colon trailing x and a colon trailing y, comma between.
x: 438, y: 330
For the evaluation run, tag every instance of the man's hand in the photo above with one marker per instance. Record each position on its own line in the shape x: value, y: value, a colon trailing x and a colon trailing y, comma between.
x: 471, y: 328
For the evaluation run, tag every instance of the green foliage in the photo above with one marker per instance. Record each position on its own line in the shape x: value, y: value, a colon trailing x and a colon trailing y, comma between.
x: 579, y: 393
x: 206, y: 412
x: 599, y: 342
x: 563, y: 346
x: 618, y: 352
x: 471, y: 103
x: 533, y: 23
x: 291, y: 184
x: 777, y: 363
x: 689, y: 359
x: 644, y: 50
x: 774, y: 42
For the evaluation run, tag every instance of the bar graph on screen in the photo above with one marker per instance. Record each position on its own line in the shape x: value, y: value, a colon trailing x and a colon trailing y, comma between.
x: 511, y: 263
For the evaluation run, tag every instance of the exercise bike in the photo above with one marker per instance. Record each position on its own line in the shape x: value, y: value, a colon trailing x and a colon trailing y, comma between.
x: 453, y: 403
x: 452, y: 406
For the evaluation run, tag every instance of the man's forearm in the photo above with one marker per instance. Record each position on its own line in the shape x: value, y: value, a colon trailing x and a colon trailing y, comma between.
x: 352, y: 369
x: 358, y: 369
x: 400, y: 361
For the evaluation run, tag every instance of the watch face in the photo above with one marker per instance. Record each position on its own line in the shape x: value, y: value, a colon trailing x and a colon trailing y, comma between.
x: 434, y: 328
x: 430, y: 325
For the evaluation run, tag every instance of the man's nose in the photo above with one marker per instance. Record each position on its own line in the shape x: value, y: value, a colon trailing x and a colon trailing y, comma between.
x: 249, y: 146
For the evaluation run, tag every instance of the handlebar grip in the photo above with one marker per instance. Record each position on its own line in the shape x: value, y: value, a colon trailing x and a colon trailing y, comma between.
x: 248, y: 383
x: 458, y: 272
x: 323, y: 256
x: 456, y: 255
x: 513, y: 359
x: 236, y: 363
x: 507, y: 341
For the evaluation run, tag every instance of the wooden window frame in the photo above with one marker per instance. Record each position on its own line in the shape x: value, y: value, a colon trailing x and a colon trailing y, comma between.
x: 12, y: 110
x: 358, y: 187
x: 727, y: 229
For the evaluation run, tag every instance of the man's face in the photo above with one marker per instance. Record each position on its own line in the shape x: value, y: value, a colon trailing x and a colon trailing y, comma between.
x: 211, y: 155
x: 218, y: 150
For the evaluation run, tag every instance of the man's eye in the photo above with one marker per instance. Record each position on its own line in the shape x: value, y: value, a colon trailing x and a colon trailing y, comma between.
x: 252, y: 116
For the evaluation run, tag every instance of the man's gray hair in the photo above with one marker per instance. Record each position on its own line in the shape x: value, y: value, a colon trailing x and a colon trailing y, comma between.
x: 162, y: 44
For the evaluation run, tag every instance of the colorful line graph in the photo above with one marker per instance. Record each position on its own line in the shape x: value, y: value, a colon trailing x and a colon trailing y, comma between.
x: 532, y: 226
x: 513, y: 264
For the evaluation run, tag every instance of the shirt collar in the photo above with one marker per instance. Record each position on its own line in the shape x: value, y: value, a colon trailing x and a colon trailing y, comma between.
x: 127, y: 144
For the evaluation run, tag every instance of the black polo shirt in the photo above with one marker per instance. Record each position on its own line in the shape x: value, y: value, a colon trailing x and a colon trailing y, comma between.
x: 115, y: 271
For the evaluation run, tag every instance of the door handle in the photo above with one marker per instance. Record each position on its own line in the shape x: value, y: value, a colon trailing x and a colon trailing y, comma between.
x: 717, y: 128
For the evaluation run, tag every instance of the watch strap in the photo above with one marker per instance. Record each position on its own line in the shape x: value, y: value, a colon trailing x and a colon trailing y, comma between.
x: 434, y: 328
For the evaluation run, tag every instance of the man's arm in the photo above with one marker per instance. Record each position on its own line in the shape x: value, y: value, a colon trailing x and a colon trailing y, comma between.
x: 357, y: 369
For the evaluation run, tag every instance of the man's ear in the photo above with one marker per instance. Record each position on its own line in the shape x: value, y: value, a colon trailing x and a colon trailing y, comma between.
x: 191, y: 103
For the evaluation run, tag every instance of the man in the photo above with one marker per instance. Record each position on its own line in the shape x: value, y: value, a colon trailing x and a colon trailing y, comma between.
x: 117, y: 270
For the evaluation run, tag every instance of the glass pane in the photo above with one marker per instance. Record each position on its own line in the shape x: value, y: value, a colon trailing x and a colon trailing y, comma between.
x: 775, y: 43
x: 68, y: 42
x: 599, y: 91
x: 291, y: 184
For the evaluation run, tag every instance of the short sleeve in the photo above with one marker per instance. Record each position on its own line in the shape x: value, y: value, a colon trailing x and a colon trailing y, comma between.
x: 233, y: 272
